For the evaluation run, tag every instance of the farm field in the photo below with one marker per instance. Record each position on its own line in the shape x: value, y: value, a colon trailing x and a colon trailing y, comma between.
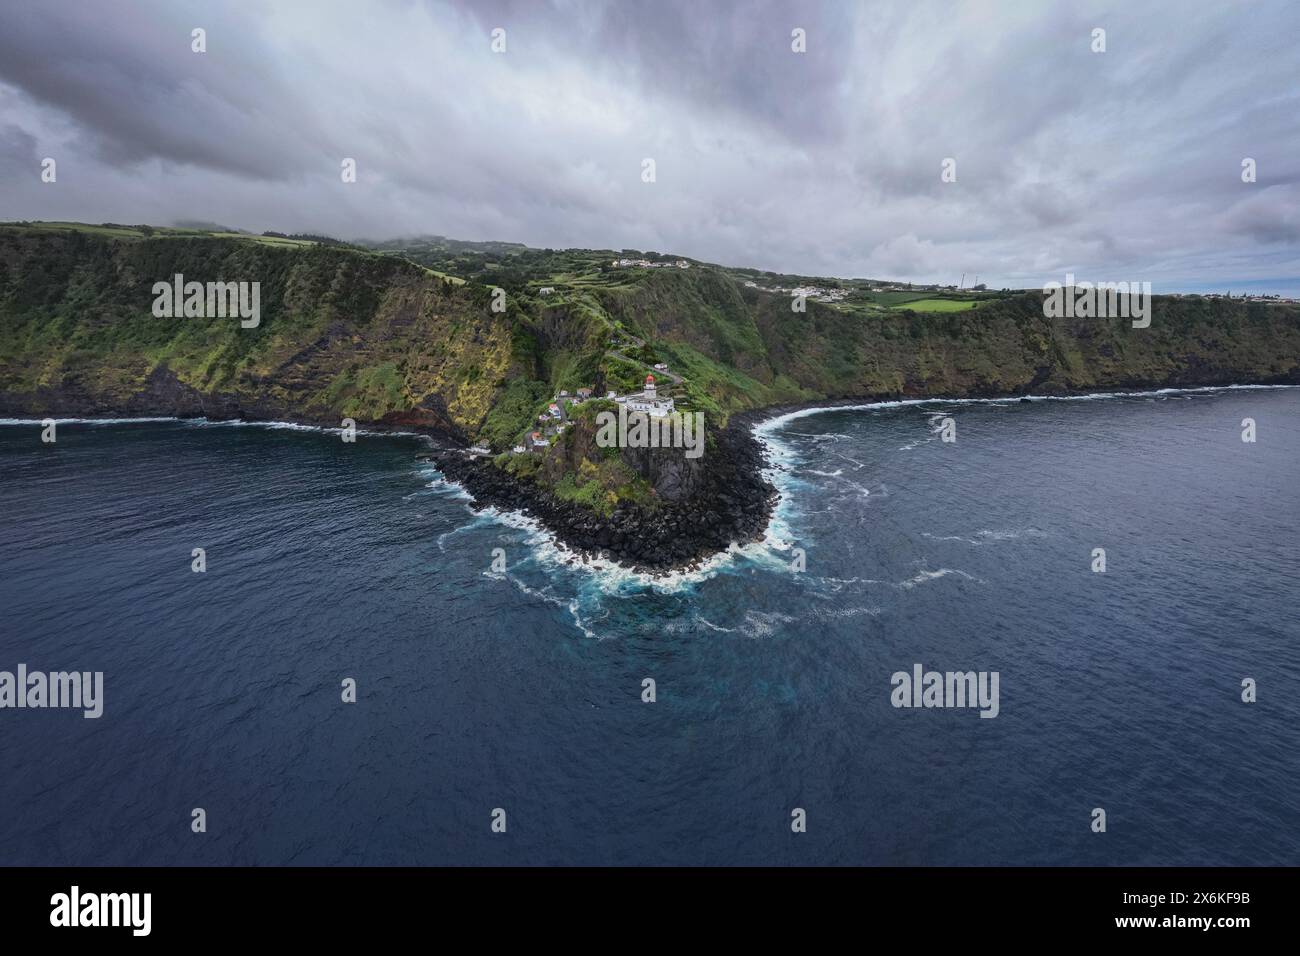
x: 940, y: 305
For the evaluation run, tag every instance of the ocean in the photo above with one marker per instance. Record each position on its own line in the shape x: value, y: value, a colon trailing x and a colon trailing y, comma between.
x: 494, y: 673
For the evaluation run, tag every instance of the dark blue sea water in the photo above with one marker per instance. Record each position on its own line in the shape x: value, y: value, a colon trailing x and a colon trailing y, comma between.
x: 522, y: 690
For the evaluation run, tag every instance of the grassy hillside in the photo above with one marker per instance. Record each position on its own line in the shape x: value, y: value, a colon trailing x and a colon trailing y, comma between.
x: 343, y: 333
x: 408, y: 335
x: 742, y: 347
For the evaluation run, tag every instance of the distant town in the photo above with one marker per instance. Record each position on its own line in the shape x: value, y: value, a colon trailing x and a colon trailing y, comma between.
x: 647, y: 264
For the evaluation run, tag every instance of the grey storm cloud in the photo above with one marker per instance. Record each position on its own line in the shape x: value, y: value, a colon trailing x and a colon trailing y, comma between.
x: 1109, y: 165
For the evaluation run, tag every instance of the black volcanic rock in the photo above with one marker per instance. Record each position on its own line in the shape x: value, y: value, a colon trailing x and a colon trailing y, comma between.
x: 729, y: 504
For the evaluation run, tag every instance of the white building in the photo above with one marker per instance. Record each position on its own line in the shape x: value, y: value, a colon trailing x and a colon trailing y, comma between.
x: 654, y: 407
x: 649, y: 401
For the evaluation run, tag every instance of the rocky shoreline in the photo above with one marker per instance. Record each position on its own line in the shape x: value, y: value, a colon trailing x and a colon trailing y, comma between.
x: 731, y: 505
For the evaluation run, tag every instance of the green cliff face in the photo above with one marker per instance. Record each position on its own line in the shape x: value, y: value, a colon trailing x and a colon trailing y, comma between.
x: 746, y: 347
x: 342, y: 333
x: 377, y: 337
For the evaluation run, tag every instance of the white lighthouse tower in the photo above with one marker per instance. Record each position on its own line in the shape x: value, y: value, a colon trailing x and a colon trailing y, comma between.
x: 650, y: 392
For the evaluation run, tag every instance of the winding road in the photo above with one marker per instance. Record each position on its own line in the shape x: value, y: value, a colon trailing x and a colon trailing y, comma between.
x: 640, y: 343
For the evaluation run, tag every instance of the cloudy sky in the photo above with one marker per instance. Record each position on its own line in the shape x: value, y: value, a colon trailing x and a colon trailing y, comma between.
x: 1119, y: 165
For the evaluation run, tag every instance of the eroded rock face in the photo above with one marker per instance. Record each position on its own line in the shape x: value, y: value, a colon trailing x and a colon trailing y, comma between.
x: 163, y: 394
x: 160, y: 393
x: 673, y: 476
x: 431, y: 416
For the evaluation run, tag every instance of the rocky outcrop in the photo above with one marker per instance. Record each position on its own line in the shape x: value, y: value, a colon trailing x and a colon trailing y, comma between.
x: 348, y: 334
x: 729, y: 503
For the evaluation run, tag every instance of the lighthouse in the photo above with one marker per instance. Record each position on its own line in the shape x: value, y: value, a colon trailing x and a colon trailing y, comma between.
x: 650, y: 387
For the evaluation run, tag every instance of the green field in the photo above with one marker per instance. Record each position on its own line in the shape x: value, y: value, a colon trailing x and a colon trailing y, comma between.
x: 268, y: 240
x: 940, y: 305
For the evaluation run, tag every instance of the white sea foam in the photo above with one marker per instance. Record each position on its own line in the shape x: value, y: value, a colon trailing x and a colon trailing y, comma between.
x: 985, y: 536
x: 210, y: 423
x: 772, y: 424
x: 763, y: 623
x: 613, y: 578
x: 37, y: 422
x: 821, y: 436
x: 294, y: 426
x: 784, y: 459
x: 676, y: 626
x: 924, y: 577
x: 842, y: 612
x: 439, y: 485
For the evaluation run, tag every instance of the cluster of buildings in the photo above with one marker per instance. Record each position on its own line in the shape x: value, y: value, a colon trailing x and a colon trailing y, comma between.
x: 814, y: 292
x: 553, y: 422
x: 647, y: 264
x: 1243, y: 297
x: 819, y: 294
x: 822, y: 294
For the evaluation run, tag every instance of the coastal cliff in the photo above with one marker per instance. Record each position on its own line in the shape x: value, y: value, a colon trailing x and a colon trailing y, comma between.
x: 387, y: 340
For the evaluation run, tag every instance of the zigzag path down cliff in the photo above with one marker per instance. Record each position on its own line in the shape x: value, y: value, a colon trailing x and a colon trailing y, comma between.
x: 638, y: 343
